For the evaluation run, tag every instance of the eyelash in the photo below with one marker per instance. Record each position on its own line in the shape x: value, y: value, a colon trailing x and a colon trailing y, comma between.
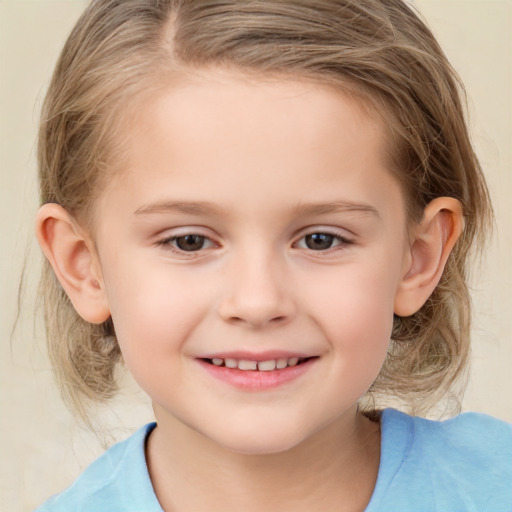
x: 168, y: 243
x: 342, y: 241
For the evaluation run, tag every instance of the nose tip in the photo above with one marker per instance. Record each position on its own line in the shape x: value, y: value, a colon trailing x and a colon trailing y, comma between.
x: 257, y: 298
x: 255, y: 310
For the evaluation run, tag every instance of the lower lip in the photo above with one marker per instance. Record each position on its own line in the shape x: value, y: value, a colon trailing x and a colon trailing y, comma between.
x: 254, y: 380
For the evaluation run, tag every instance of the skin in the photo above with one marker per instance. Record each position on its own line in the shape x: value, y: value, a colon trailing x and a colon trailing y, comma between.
x: 253, y: 168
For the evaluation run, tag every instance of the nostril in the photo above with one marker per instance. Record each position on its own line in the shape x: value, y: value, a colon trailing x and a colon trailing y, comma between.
x: 258, y: 321
x: 255, y: 307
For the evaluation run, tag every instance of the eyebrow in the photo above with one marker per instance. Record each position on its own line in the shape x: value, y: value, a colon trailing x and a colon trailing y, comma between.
x: 210, y: 209
x: 190, y: 208
x: 336, y: 207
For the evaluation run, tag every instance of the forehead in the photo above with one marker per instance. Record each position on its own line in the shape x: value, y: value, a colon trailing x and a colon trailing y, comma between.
x: 230, y: 105
x: 221, y: 126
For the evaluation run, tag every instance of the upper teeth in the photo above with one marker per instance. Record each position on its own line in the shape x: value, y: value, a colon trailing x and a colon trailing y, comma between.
x: 262, y: 366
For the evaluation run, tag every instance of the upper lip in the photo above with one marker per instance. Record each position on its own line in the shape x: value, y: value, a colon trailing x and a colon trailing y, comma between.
x: 267, y: 355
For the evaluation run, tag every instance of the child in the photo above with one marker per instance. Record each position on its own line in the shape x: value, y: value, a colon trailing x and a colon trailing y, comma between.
x: 247, y: 201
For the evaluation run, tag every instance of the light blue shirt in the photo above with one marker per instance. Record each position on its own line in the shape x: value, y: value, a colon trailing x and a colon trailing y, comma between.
x: 459, y: 465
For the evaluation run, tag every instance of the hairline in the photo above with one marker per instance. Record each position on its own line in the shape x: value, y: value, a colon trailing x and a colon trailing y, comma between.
x: 178, y: 75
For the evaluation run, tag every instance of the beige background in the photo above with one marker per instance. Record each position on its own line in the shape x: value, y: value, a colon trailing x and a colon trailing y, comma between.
x: 42, y: 447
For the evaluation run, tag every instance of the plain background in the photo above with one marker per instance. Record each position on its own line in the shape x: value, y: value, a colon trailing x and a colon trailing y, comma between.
x: 42, y: 447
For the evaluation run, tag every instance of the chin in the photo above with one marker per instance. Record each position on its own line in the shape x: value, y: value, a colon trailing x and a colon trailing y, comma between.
x: 259, y: 441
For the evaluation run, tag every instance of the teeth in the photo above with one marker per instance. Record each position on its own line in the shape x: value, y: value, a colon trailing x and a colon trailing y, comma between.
x: 262, y: 366
x: 243, y: 364
x: 266, y: 366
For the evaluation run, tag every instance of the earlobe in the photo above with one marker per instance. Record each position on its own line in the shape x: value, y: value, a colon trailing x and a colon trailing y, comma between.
x: 74, y: 261
x: 434, y: 239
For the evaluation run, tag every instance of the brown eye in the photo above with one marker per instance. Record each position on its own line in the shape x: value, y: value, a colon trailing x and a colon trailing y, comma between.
x: 190, y: 243
x: 319, y: 241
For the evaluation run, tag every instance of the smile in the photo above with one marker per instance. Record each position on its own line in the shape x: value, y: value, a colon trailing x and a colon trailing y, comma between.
x: 262, y: 366
x: 257, y: 375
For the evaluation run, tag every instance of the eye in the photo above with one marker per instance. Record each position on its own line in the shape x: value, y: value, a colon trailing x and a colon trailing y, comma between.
x: 188, y: 243
x: 321, y: 241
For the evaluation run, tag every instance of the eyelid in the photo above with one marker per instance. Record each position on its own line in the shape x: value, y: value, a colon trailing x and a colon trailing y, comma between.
x: 327, y: 230
x: 170, y: 235
x: 339, y: 234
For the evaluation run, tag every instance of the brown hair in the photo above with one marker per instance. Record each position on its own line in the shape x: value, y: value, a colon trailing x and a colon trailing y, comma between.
x: 379, y: 50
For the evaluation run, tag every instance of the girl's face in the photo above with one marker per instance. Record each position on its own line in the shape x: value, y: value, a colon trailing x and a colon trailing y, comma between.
x: 251, y: 251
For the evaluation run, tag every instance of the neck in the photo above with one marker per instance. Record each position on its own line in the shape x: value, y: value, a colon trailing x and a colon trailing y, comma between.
x: 335, y: 469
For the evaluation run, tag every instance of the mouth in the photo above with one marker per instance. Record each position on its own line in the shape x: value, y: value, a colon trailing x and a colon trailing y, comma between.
x: 257, y: 375
x: 257, y: 366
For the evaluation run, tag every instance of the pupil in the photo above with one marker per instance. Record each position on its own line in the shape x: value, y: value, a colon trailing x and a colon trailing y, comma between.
x: 190, y: 242
x: 319, y: 241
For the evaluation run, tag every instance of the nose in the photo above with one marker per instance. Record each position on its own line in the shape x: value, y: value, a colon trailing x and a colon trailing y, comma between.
x: 257, y: 293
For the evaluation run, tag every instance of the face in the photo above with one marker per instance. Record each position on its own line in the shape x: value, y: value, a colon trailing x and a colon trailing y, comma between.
x: 250, y: 251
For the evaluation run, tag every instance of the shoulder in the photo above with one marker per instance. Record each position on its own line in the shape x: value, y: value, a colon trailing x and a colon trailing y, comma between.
x: 117, y: 481
x: 471, y: 440
x: 464, y: 463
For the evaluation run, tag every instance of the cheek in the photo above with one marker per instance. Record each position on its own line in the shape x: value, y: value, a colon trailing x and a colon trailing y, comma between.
x: 153, y: 310
x: 359, y: 297
x: 355, y: 310
x: 359, y: 332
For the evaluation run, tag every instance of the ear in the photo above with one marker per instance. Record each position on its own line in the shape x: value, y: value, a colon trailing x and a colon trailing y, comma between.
x: 433, y: 241
x: 74, y: 260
